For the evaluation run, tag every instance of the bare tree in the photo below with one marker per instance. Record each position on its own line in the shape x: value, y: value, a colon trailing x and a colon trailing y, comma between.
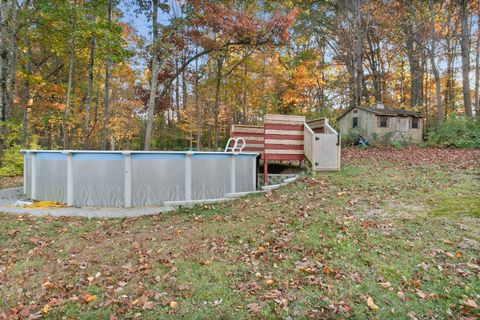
x: 154, y: 78
x: 451, y: 44
x: 106, y: 97
x: 216, y: 109
x: 88, y: 101
x: 26, y: 90
x: 465, y: 47
x: 244, y: 96
x: 414, y: 47
x: 13, y: 52
x: 373, y: 57
x: 3, y: 71
x: 198, y: 112
x: 358, y: 51
x: 70, y: 78
x: 184, y: 87
x: 477, y: 64
x: 436, y: 74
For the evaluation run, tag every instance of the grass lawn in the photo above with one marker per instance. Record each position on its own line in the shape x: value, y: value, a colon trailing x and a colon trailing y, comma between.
x: 394, y: 235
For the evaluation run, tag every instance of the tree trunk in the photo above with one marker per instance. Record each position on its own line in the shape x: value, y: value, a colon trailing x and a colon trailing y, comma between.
x: 26, y: 91
x: 177, y: 94
x: 358, y: 53
x: 425, y: 85
x: 198, y: 112
x: 106, y: 98
x: 244, y: 98
x: 415, y: 74
x: 436, y: 74
x: 216, y: 109
x: 465, y: 46
x: 154, y: 80
x: 88, y: 102
x: 95, y: 113
x: 70, y: 80
x: 425, y: 80
x: 184, y: 85
x: 448, y: 83
x: 477, y: 65
x: 12, y: 68
x: 414, y: 54
x: 185, y: 102
x: 374, y: 66
x: 402, y: 81
x: 3, y: 72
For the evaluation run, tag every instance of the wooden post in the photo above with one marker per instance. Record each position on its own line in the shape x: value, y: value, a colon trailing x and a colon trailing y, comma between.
x: 265, y: 170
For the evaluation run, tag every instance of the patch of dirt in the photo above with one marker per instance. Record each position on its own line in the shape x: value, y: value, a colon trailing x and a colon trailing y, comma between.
x: 468, y: 223
x: 467, y: 243
x: 396, y: 210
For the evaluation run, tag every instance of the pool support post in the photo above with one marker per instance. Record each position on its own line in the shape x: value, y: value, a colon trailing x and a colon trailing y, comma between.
x: 255, y: 172
x: 24, y: 172
x: 127, y: 160
x: 188, y: 175
x: 69, y: 178
x: 232, y: 174
x: 33, y: 187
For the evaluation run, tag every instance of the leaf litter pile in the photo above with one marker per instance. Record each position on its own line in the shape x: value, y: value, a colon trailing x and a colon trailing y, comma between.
x: 394, y: 235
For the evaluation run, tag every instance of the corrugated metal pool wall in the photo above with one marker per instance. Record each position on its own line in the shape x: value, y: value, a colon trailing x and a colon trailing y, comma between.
x: 135, y: 178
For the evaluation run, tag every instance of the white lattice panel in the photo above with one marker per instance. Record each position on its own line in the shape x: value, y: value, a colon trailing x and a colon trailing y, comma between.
x: 327, y: 156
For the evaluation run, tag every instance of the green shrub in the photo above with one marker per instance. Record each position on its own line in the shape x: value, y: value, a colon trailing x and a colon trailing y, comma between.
x: 353, y: 136
x: 389, y: 139
x: 456, y: 131
x: 397, y: 144
x: 12, y: 160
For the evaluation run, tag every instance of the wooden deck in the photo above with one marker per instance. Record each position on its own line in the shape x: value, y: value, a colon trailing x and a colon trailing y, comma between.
x: 280, y: 138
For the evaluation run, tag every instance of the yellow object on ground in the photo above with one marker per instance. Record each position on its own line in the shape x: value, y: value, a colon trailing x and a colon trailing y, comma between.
x: 44, y: 204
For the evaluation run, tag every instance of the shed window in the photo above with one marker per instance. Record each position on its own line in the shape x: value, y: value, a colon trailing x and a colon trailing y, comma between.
x: 355, y: 122
x: 414, y: 123
x: 383, y: 121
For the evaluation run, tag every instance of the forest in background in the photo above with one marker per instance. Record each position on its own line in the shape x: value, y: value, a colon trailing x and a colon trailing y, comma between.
x: 77, y: 75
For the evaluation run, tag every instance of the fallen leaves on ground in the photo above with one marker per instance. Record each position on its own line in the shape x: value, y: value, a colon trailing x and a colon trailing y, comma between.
x: 307, y: 250
x: 88, y: 297
x: 254, y: 307
x: 371, y: 304
x: 416, y: 157
x: 470, y: 303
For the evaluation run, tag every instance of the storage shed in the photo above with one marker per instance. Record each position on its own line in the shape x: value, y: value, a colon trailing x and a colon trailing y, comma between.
x: 379, y: 121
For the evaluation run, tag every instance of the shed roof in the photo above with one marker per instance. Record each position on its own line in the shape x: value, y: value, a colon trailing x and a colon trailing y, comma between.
x: 386, y: 111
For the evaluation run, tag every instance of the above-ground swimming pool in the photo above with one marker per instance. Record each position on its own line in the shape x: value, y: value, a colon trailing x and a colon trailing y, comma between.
x: 135, y: 178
